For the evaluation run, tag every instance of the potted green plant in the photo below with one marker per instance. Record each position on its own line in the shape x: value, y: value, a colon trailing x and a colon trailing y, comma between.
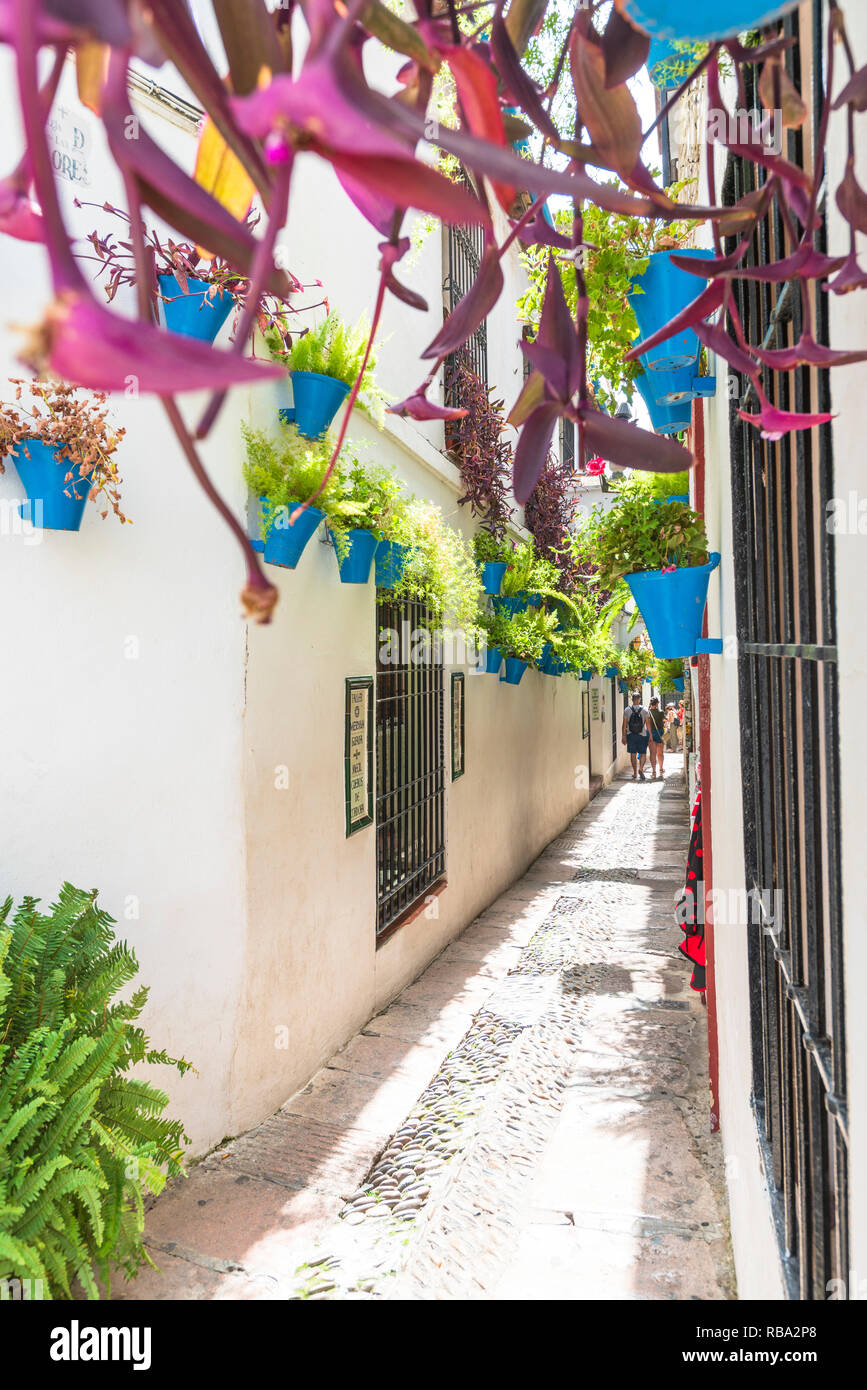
x: 63, y: 450
x: 284, y: 470
x: 662, y: 554
x: 438, y: 568
x: 323, y: 363
x: 529, y: 580
x: 521, y: 637
x: 368, y: 500
x: 493, y: 554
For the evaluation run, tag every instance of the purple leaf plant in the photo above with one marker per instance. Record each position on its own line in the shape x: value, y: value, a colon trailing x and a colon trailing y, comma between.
x: 270, y: 106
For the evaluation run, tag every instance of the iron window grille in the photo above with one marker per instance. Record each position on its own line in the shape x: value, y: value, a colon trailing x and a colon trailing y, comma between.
x: 784, y: 577
x: 410, y: 762
x: 567, y: 445
x: 464, y: 249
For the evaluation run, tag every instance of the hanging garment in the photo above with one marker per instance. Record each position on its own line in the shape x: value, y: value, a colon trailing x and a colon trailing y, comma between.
x: 689, y: 909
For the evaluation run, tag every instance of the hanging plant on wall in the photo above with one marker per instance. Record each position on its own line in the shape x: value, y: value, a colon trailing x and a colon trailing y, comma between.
x: 483, y: 455
x: 550, y: 513
x: 326, y: 105
x: 197, y: 292
x: 63, y: 449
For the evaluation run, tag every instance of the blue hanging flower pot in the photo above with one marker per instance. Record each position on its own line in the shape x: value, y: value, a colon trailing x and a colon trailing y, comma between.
x: 492, y: 575
x: 284, y: 544
x: 704, y: 19
x: 391, y: 559
x: 511, y: 604
x: 194, y: 314
x: 587, y: 673
x: 672, y: 605
x: 355, y: 565
x: 679, y: 684
x: 666, y: 292
x: 665, y: 419
x: 610, y: 673
x: 52, y: 503
x: 493, y: 661
x: 317, y: 400
x: 515, y: 669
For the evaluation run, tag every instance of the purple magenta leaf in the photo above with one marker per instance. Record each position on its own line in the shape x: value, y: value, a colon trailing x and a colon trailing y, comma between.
x: 626, y: 445
x: 854, y: 93
x: 807, y: 353
x: 775, y: 423
x: 851, y: 198
x: 851, y: 277
x: 521, y: 89
x: 624, y: 48
x: 20, y: 215
x: 86, y: 344
x: 705, y: 304
x: 469, y: 312
x: 609, y: 113
x: 418, y: 407
x: 715, y: 338
x: 532, y: 448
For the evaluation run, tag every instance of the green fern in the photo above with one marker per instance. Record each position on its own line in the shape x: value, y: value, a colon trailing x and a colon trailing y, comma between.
x: 80, y: 1140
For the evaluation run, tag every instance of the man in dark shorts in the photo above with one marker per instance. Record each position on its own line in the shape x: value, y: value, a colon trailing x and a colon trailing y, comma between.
x: 636, y: 734
x: 656, y: 719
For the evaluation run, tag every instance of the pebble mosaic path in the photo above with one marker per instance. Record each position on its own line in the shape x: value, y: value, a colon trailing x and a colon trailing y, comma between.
x: 528, y: 1120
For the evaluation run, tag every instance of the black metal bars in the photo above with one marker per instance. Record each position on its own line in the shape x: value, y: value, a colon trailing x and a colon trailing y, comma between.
x: 410, y: 763
x: 784, y: 580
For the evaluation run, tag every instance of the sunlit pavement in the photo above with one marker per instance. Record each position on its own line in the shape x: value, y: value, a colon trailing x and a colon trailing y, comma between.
x: 528, y: 1120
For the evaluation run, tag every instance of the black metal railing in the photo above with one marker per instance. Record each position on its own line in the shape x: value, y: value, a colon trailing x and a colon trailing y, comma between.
x: 464, y: 250
x: 567, y: 445
x: 410, y: 762
x: 784, y: 577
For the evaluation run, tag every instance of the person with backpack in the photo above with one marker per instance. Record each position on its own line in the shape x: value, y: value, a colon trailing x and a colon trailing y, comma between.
x: 636, y: 734
x: 656, y: 719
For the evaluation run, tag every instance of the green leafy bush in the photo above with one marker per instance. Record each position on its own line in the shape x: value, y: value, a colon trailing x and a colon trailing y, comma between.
x: 668, y: 670
x: 618, y: 248
x: 488, y: 548
x: 332, y: 348
x: 522, y: 635
x: 81, y: 1140
x: 636, y: 534
x: 441, y: 571
x: 286, y: 469
x: 367, y: 498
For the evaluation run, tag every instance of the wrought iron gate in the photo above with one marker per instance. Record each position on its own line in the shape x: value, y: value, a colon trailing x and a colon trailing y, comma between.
x: 784, y: 576
x: 410, y: 762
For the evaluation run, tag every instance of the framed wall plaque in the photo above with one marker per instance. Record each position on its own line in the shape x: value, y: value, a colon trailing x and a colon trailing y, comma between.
x: 458, y: 726
x: 358, y: 753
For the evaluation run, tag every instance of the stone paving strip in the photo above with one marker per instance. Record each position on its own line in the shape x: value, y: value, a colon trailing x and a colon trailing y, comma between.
x: 527, y: 1120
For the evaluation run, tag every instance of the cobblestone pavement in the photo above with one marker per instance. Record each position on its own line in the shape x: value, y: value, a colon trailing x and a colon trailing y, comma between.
x: 528, y: 1120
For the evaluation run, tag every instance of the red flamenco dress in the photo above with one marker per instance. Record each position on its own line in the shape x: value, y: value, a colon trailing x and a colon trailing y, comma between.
x: 689, y: 910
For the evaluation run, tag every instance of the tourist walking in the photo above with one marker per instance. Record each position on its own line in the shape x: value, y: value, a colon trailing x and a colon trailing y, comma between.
x: 636, y: 734
x: 656, y: 720
x: 672, y: 728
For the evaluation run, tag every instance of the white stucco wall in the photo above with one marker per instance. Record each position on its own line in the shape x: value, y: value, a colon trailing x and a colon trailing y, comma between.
x: 144, y: 721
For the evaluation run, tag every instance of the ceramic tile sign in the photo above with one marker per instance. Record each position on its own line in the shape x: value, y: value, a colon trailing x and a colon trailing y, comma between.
x: 594, y: 704
x: 458, y: 729
x: 358, y: 755
x: 70, y: 146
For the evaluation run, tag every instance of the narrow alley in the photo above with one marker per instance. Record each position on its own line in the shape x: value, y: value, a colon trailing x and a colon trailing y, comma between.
x: 528, y: 1120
